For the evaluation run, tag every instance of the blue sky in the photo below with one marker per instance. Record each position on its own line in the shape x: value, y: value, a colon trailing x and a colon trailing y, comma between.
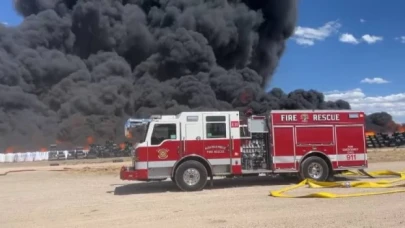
x: 354, y: 50
x: 8, y: 15
x: 340, y: 43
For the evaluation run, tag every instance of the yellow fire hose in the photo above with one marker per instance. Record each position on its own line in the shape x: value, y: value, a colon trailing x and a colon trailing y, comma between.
x: 347, y: 184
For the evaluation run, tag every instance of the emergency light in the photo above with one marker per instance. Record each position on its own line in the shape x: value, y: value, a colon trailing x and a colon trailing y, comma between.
x: 353, y: 115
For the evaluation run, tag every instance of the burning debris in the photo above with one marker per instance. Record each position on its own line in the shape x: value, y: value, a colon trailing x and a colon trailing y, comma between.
x: 77, y: 68
x: 109, y: 150
x: 382, y: 122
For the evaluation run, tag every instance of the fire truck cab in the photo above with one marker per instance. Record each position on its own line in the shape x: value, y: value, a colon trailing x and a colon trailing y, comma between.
x: 191, y: 147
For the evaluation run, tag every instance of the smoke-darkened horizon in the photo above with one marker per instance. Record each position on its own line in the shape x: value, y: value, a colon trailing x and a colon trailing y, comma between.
x: 79, y: 68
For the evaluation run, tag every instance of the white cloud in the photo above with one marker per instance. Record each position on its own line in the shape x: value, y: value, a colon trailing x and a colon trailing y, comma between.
x: 348, y: 38
x: 401, y: 39
x: 362, y: 20
x: 308, y: 36
x: 394, y: 104
x: 374, y: 81
x: 4, y: 23
x: 371, y: 39
x: 303, y: 41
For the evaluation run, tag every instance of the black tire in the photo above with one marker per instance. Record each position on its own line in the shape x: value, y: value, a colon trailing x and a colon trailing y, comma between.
x: 305, y: 173
x: 195, y: 166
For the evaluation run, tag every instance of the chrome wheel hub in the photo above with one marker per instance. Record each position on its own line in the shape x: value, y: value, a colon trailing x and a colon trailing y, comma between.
x: 191, y: 176
x: 315, y: 170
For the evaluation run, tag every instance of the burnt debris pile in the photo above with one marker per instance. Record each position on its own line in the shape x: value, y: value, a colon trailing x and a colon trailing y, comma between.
x: 382, y: 140
x: 79, y: 68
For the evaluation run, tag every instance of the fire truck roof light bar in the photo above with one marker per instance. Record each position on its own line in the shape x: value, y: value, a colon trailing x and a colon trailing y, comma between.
x: 136, y: 122
x: 155, y: 117
x: 353, y: 115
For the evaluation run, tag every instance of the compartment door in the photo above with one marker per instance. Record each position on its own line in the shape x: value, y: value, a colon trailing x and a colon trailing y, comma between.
x: 283, y: 148
x: 350, y: 146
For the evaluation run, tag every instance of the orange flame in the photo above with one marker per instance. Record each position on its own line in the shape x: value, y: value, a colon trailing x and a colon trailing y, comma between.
x: 10, y: 149
x: 90, y: 140
x: 370, y: 133
x: 43, y: 149
x: 129, y: 135
x: 122, y: 146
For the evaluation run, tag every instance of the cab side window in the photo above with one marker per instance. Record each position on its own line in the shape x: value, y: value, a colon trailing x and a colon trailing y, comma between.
x: 215, y: 127
x: 163, y: 132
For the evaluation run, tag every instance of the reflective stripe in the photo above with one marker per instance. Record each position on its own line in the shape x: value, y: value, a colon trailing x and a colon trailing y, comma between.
x: 222, y: 161
x: 155, y: 164
x: 339, y: 157
x: 348, y: 157
x: 237, y: 161
x: 168, y: 164
x: 286, y: 159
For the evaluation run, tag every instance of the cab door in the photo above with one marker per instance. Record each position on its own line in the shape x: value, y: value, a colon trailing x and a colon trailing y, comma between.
x: 216, y: 138
x: 163, y: 148
x: 192, y: 137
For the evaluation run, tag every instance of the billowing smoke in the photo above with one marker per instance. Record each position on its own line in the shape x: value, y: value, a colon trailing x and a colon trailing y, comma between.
x: 79, y: 68
x: 383, y: 122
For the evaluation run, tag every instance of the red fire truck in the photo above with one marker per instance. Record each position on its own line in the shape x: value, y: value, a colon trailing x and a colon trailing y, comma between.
x: 191, y: 147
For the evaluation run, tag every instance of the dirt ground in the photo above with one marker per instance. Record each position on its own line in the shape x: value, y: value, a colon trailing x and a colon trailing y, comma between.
x: 91, y: 195
x: 386, y: 155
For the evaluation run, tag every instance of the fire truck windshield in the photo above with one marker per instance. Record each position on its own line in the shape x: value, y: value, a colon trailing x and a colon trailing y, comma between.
x: 136, y: 129
x: 145, y: 132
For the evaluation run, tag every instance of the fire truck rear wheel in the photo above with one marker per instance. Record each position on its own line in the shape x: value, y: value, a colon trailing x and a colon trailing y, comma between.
x: 191, y: 176
x: 314, y: 168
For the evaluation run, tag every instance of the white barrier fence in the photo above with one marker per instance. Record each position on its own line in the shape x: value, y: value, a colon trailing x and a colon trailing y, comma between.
x: 24, y: 157
x: 34, y: 156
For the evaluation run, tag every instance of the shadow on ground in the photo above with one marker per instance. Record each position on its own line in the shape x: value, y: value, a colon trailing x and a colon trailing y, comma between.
x: 169, y: 186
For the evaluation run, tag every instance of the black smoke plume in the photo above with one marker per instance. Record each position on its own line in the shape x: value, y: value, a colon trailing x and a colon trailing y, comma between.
x: 383, y: 122
x: 79, y: 68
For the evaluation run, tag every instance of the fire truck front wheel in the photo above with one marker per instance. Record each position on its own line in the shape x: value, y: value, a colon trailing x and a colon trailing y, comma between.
x: 314, y: 168
x: 191, y: 176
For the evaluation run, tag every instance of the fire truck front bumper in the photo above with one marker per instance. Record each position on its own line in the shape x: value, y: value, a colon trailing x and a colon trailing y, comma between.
x: 129, y: 173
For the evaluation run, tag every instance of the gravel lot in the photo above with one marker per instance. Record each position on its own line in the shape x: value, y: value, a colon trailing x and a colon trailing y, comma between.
x: 93, y: 196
